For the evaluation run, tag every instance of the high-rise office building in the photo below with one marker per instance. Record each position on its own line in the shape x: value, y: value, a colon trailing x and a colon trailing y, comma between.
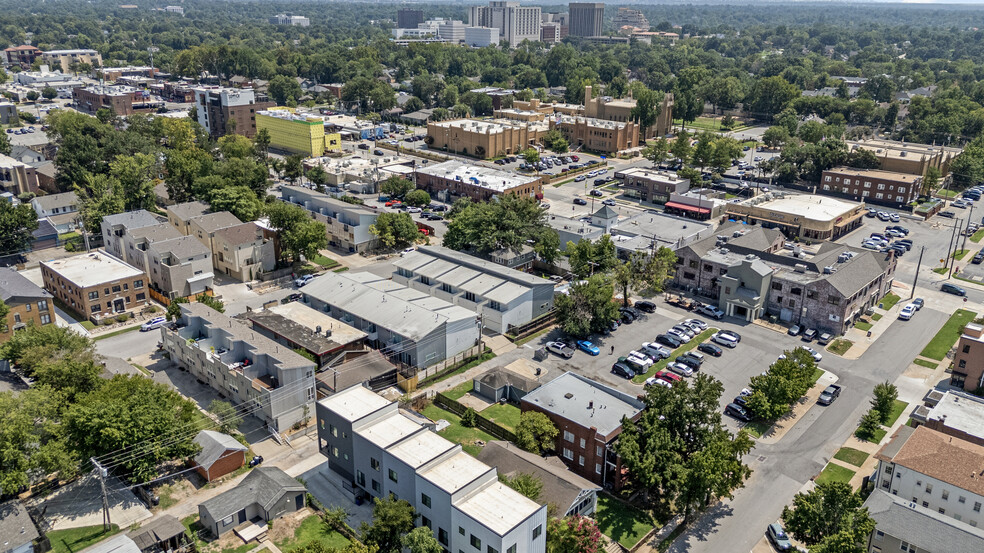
x: 409, y: 18
x: 586, y: 18
x: 515, y: 23
x: 630, y: 17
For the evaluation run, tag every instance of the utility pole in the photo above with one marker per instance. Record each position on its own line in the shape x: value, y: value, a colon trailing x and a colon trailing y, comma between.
x: 916, y: 279
x: 955, y: 248
x: 102, y: 483
x: 946, y: 260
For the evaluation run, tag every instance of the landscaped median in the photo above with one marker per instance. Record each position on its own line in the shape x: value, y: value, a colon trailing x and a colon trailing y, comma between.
x: 661, y: 364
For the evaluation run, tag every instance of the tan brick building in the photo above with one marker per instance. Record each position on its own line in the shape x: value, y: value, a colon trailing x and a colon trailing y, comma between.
x: 597, y: 135
x: 96, y: 284
x: 968, y: 362
x: 484, y: 139
x: 873, y: 186
x: 908, y: 157
x: 611, y: 109
x: 28, y: 303
x: 456, y: 179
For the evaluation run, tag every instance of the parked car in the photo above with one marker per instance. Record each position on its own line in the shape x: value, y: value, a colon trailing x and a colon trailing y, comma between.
x: 689, y: 361
x: 778, y: 537
x: 407, y: 251
x: 816, y: 355
x: 825, y: 339
x: 948, y: 214
x: 697, y: 322
x: 669, y: 340
x: 154, y: 323
x: 918, y: 302
x: 829, y: 394
x: 710, y: 349
x: 650, y: 347
x: 731, y: 333
x: 641, y: 358
x: 907, y: 312
x: 684, y: 329
x: 809, y: 334
x: 653, y: 381
x: 620, y: 369
x: 952, y: 289
x: 647, y: 306
x: 683, y: 337
x: 301, y: 281
x: 609, y: 202
x: 680, y: 369
x: 668, y: 376
x: 587, y: 347
x: 561, y: 349
x: 711, y: 311
x: 580, y: 201
x: 738, y: 412
x: 725, y: 340
x: 794, y: 330
x: 595, y: 191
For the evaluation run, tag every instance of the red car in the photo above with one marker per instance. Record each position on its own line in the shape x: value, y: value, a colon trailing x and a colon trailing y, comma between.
x: 393, y: 203
x: 669, y: 377
x: 575, y: 159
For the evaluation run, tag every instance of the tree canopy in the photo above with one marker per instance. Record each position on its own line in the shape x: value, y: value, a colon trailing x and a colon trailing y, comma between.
x: 509, y: 221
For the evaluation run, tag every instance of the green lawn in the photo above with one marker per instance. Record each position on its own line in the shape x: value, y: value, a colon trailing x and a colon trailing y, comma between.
x: 456, y: 432
x: 959, y: 254
x: 840, y: 346
x: 946, y: 193
x: 851, y: 456
x: 76, y: 539
x: 620, y: 522
x: 758, y: 428
x: 325, y: 262
x: 312, y: 530
x: 897, y: 409
x: 876, y: 316
x: 460, y: 390
x: 977, y: 236
x: 940, y: 270
x: 879, y: 436
x: 947, y: 335
x: 924, y: 363
x: 835, y: 473
x: 639, y: 379
x: 431, y: 380
x: 817, y: 373
x: 861, y: 325
x: 117, y: 332
x: 503, y: 414
x: 87, y: 324
x: 889, y: 301
x: 710, y: 124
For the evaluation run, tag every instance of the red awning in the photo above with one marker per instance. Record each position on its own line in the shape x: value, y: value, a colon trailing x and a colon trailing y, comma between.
x: 686, y: 207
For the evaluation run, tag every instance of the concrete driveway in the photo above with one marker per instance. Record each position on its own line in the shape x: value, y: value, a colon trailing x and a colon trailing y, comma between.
x: 80, y: 504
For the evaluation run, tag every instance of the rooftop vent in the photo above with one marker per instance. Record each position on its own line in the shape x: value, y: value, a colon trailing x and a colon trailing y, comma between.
x: 829, y: 270
x: 568, y: 395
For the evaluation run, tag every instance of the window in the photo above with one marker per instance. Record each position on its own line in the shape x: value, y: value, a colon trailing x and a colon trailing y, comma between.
x: 583, y: 443
x: 376, y: 487
x: 580, y: 460
x: 946, y: 495
x: 442, y: 536
x: 942, y: 511
x: 568, y: 437
x: 94, y: 308
x: 777, y: 286
x: 425, y: 499
x: 688, y: 275
x: 227, y: 520
x: 392, y: 475
x: 470, y: 296
x: 598, y: 451
x: 374, y: 463
x: 475, y: 542
x: 138, y: 283
x: 568, y: 454
x: 961, y: 499
x: 977, y: 506
x: 45, y: 318
x: 512, y: 549
x: 904, y: 546
x: 27, y: 307
x: 461, y: 531
x: 105, y: 291
x: 694, y: 264
x: 966, y: 349
x: 537, y: 531
x: 796, y: 291
x: 117, y: 289
x: 141, y: 296
x: 95, y: 295
x: 833, y: 300
x: 879, y: 534
x: 360, y: 478
x: 43, y: 305
x: 425, y: 521
x: 963, y: 363
x: 929, y: 488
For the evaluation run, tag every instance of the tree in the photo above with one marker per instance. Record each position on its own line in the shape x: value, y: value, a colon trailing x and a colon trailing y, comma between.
x: 136, y: 177
x: 931, y: 181
x: 417, y: 198
x: 32, y: 438
x: 576, y: 534
x: 16, y: 225
x: 883, y: 401
x: 812, y: 131
x: 413, y: 104
x: 174, y: 308
x: 391, y: 519
x: 587, y: 257
x: 421, y: 540
x: 774, y: 137
x: 647, y: 109
x: 5, y: 147
x: 228, y: 416
x: 524, y: 483
x: 588, y: 307
x: 863, y: 158
x: 181, y: 168
x: 679, y: 451
x: 211, y: 301
x: 468, y: 418
x: 4, y: 311
x: 536, y: 432
x: 239, y: 200
x: 512, y: 221
x: 869, y: 425
x: 726, y: 149
x: 657, y: 151
x: 317, y: 175
x: 787, y: 379
x: 236, y: 146
x: 531, y: 156
x: 770, y: 95
x: 643, y: 271
x: 703, y: 154
x: 33, y: 95
x: 681, y: 147
x: 49, y: 93
x: 396, y: 187
x: 282, y: 88
x: 395, y: 230
x: 294, y: 167
x: 261, y: 143
x: 823, y: 512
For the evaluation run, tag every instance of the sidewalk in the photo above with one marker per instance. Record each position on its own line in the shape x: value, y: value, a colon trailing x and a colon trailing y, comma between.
x: 862, y: 340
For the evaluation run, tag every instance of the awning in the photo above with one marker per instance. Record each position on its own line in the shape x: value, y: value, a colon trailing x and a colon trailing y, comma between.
x: 202, y: 276
x: 686, y: 207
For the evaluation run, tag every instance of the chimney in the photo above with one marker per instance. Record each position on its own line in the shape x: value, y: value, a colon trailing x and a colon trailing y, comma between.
x: 587, y: 95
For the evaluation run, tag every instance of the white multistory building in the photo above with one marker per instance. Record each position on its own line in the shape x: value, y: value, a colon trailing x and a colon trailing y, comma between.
x: 515, y: 23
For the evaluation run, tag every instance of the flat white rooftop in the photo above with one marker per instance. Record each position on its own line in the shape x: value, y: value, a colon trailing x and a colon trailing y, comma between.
x: 92, y: 269
x: 389, y: 430
x: 354, y: 403
x: 312, y: 318
x: 420, y: 448
x: 477, y: 175
x: 498, y: 507
x: 455, y: 472
x: 489, y: 126
x: 817, y: 208
x: 960, y: 411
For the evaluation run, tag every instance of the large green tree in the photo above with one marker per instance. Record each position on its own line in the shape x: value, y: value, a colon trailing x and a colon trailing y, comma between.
x: 511, y: 221
x: 300, y: 235
x: 395, y: 230
x: 16, y: 225
x: 587, y: 257
x: 576, y: 534
x: 391, y: 519
x: 587, y: 307
x: 33, y: 439
x: 238, y: 200
x: 536, y: 432
x: 396, y: 187
x: 823, y: 512
x: 774, y: 392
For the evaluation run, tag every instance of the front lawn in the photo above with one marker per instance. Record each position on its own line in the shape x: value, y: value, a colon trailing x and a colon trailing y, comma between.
x: 876, y: 316
x: 851, y: 456
x: 840, y: 346
x: 862, y: 325
x: 77, y: 539
x: 947, y: 335
x: 977, y: 236
x: 456, y: 432
x: 879, y: 436
x: 940, y: 270
x: 924, y: 363
x: 325, y: 262
x: 889, y: 301
x: 959, y: 254
x: 661, y: 364
x: 503, y: 414
x: 460, y: 390
x: 313, y: 530
x: 897, y: 409
x: 835, y: 473
x: 622, y: 522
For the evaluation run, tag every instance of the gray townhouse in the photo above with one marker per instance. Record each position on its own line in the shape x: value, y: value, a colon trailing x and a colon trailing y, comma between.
x: 243, y: 365
x: 115, y: 228
x: 381, y: 451
x: 406, y: 325
x: 902, y: 525
x: 503, y: 297
x: 61, y: 210
x: 347, y: 225
x: 751, y: 271
x: 180, y: 215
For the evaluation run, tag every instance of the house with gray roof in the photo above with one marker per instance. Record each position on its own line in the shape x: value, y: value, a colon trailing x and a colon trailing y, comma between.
x: 61, y: 209
x: 242, y: 251
x: 503, y: 297
x: 902, y: 525
x: 204, y: 227
x: 17, y: 529
x: 267, y: 493
x: 220, y: 454
x: 180, y: 215
x: 28, y: 302
x: 116, y: 226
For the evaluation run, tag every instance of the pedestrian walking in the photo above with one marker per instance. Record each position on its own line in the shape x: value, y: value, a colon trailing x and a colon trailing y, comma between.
x: 612, y: 352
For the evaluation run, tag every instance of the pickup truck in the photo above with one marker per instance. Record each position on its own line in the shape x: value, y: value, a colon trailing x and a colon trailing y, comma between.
x: 680, y: 301
x: 829, y: 395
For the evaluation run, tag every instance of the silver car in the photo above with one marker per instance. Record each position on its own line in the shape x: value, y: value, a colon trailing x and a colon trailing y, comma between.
x: 680, y: 369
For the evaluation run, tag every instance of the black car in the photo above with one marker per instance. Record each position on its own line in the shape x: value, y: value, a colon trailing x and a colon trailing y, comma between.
x: 432, y: 217
x: 596, y: 192
x: 647, y: 306
x: 363, y: 146
x: 378, y: 153
x: 741, y: 400
x: 738, y: 412
x: 580, y: 201
x: 669, y: 341
x: 710, y: 349
x: 622, y: 370
x: 635, y: 312
x: 626, y: 317
x: 830, y: 394
x: 438, y: 207
x: 689, y: 361
x: 948, y: 214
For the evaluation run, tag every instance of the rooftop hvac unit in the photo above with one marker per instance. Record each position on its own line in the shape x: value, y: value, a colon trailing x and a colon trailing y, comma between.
x: 828, y: 270
x: 800, y: 268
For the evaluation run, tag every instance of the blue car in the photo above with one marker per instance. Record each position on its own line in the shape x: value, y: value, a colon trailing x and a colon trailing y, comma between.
x: 588, y: 347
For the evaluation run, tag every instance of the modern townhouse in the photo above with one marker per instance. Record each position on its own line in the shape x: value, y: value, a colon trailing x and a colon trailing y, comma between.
x: 347, y: 225
x: 62, y: 210
x: 180, y: 215
x: 242, y: 252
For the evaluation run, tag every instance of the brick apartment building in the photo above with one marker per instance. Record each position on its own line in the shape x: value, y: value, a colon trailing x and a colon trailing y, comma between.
x: 968, y: 363
x: 871, y: 186
x: 122, y: 100
x: 28, y: 303
x: 589, y: 417
x: 597, y: 135
x: 96, y: 285
x: 23, y: 56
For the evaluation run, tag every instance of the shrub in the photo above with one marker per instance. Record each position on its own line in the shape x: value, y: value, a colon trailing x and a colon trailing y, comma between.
x: 468, y: 419
x: 122, y: 317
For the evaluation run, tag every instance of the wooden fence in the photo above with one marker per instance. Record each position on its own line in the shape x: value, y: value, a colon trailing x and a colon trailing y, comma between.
x: 482, y: 423
x: 165, y: 301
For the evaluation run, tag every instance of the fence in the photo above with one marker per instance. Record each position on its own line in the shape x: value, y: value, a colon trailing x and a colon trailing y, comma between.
x: 482, y: 423
x: 165, y: 301
x: 536, y: 325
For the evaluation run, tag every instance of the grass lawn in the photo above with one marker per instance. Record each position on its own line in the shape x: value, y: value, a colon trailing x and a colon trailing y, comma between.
x: 817, y: 373
x: 897, y: 409
x: 117, y: 332
x: 959, y: 254
x: 947, y: 335
x: 835, y: 473
x: 456, y: 432
x: 977, y: 236
x: 876, y: 317
x: 889, y: 300
x: 757, y: 428
x: 503, y: 414
x: 879, y: 436
x: 946, y: 193
x: 460, y: 390
x: 87, y: 324
x: 861, y: 325
x: 76, y: 539
x: 325, y: 262
x: 621, y: 522
x: 850, y: 455
x: 340, y: 270
x: 310, y: 531
x: 639, y: 379
x: 940, y: 270
x: 710, y: 124
x: 924, y: 363
x: 840, y: 346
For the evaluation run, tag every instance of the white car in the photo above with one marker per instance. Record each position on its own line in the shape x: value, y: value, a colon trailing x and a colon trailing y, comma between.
x: 680, y: 369
x: 725, y: 340
x: 414, y: 210
x: 406, y: 251
x: 682, y: 336
x: 907, y: 312
x: 640, y: 358
x: 301, y: 281
x: 653, y: 381
x: 156, y: 322
x: 696, y: 322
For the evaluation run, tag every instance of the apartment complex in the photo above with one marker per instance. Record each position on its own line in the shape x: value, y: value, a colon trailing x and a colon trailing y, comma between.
x: 287, y: 19
x: 751, y: 272
x: 502, y: 297
x: 652, y: 185
x: 902, y: 525
x: 456, y: 179
x: 612, y: 109
x: 552, y: 32
x: 242, y: 364
x: 120, y: 99
x: 406, y: 325
x: 872, y: 186
x: 29, y: 304
x: 298, y: 326
x: 370, y: 443
x: 480, y: 37
x: 587, y: 18
x: 409, y: 18
x: 23, y: 55
x: 228, y: 110
x: 589, y: 416
x: 803, y: 216
x: 242, y: 251
x: 69, y: 60
x: 484, y: 139
x: 17, y: 177
x: 598, y: 135
x: 297, y: 134
x: 515, y: 23
x: 956, y: 413
x: 968, y: 362
x: 347, y: 225
x: 96, y: 284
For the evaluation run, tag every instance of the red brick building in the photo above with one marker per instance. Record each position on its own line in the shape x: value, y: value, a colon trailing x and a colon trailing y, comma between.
x: 220, y: 454
x: 873, y: 186
x: 122, y: 100
x: 23, y: 56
